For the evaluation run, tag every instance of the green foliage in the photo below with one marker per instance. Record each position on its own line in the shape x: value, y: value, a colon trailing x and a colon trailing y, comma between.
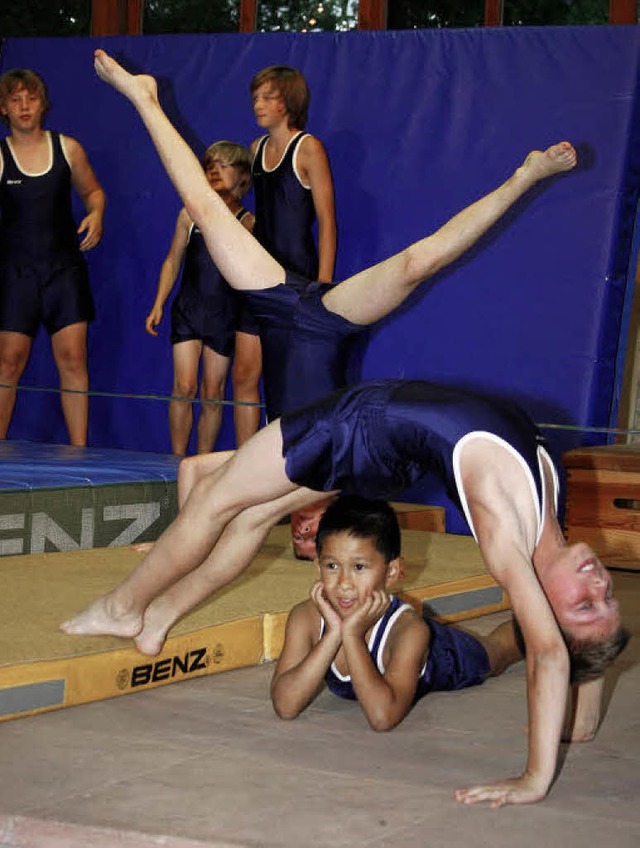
x: 307, y: 15
x: 555, y: 12
x: 73, y: 17
x: 167, y: 16
x: 19, y: 18
x: 419, y: 14
x: 426, y: 14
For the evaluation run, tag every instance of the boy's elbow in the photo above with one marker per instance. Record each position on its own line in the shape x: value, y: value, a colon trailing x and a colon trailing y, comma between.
x: 382, y: 721
x: 284, y: 711
x: 381, y: 726
x: 286, y: 715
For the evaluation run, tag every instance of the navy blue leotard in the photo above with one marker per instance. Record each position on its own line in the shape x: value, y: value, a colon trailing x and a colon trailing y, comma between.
x: 285, y: 211
x: 380, y: 437
x: 304, y: 346
x: 206, y: 307
x: 43, y: 274
x: 456, y: 659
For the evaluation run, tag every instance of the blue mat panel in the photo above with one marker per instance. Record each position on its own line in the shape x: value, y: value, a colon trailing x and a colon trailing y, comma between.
x: 60, y: 498
x: 30, y: 465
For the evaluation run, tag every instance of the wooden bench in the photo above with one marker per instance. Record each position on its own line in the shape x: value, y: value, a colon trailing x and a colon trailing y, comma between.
x: 603, y: 502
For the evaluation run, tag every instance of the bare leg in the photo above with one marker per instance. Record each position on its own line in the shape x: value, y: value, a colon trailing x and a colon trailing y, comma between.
x: 194, y: 468
x: 242, y: 261
x: 247, y: 367
x: 375, y: 292
x: 186, y: 359
x: 14, y: 353
x: 190, y: 471
x: 214, y: 375
x: 69, y: 347
x: 252, y: 476
x: 232, y: 554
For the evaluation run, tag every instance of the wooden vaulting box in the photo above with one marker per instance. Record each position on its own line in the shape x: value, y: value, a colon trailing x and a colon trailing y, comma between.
x: 603, y: 502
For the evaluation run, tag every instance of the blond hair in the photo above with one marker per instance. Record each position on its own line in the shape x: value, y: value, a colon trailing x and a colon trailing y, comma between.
x: 234, y: 154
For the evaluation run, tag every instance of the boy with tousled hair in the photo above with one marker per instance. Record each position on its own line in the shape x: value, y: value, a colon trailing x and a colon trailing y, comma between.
x: 43, y: 274
x: 23, y: 78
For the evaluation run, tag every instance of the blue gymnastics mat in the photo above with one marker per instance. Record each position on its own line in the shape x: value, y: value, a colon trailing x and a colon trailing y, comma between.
x: 63, y: 498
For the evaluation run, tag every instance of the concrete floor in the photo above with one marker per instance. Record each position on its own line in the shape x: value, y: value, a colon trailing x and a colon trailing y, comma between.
x: 206, y: 762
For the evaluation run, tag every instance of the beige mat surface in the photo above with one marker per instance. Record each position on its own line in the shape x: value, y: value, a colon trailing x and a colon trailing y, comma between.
x: 42, y: 668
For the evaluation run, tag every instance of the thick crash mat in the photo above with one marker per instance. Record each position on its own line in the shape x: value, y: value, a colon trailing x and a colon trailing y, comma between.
x: 43, y: 669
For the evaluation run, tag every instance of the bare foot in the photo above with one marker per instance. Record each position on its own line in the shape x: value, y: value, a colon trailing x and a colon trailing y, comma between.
x: 99, y: 619
x: 134, y: 87
x: 554, y: 160
x: 150, y: 640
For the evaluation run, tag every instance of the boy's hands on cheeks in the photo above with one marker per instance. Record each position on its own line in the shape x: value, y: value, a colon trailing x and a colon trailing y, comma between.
x: 514, y: 790
x: 332, y: 620
x: 366, y: 615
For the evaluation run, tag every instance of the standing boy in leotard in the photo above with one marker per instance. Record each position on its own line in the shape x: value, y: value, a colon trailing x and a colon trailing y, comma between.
x: 291, y: 177
x: 293, y: 188
x: 365, y: 644
x: 43, y: 275
x: 204, y: 314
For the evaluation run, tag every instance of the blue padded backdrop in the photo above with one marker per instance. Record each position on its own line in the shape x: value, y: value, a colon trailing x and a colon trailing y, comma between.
x: 417, y: 124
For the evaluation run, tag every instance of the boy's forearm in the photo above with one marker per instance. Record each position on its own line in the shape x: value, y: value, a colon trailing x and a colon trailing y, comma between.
x: 326, y: 252
x: 293, y: 690
x: 166, y: 281
x: 372, y: 691
x: 96, y: 202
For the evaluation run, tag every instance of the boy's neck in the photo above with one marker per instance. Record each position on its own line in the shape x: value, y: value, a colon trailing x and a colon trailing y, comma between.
x: 233, y: 204
x: 281, y: 135
x: 27, y: 138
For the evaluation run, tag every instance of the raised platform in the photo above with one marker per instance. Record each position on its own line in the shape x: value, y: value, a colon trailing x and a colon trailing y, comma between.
x: 43, y: 669
x: 63, y: 498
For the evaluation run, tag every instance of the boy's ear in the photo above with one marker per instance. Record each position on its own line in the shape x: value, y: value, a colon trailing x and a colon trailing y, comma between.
x: 395, y: 571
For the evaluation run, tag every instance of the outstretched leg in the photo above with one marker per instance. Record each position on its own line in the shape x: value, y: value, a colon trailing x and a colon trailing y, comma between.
x: 377, y: 291
x: 232, y: 554
x: 190, y: 471
x: 242, y: 261
x: 253, y: 476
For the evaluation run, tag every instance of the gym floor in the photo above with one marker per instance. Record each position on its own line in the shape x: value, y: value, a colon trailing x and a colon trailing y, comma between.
x: 207, y: 763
